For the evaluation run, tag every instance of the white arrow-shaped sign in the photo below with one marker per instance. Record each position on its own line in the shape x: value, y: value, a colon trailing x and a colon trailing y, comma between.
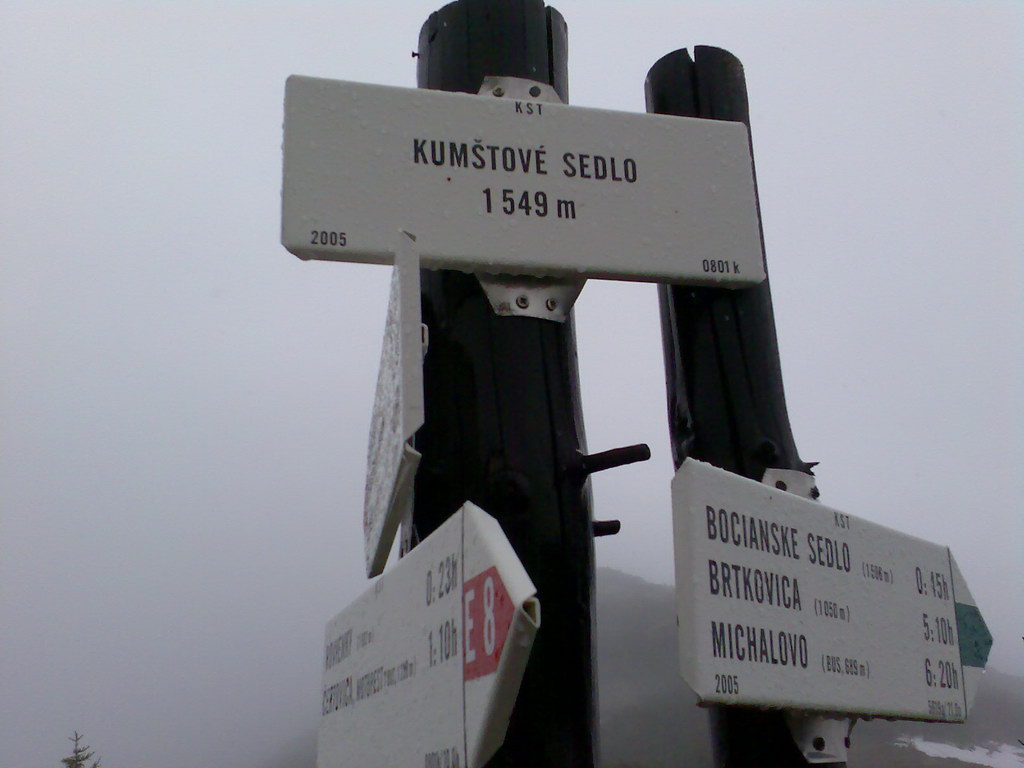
x: 784, y: 602
x: 424, y: 668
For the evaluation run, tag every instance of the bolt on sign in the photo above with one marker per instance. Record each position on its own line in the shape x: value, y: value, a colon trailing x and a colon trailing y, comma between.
x: 784, y: 602
x: 398, y: 412
x: 496, y: 185
x: 424, y: 668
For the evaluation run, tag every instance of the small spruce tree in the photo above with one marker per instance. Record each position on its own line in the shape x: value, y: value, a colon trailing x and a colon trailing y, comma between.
x: 81, y: 755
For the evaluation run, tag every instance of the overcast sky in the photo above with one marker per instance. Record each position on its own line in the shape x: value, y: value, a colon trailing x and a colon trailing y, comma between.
x: 184, y: 406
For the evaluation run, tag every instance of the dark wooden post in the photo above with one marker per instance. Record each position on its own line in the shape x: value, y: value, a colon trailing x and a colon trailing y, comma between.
x: 503, y: 423
x: 725, y: 397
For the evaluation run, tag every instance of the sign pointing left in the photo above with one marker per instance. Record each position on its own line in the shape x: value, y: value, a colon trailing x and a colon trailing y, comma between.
x: 424, y: 668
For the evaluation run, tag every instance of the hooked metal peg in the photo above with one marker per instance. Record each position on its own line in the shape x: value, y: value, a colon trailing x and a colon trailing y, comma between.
x: 606, y: 527
x: 616, y: 457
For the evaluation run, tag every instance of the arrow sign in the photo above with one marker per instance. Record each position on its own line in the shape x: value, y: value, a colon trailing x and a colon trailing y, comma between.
x: 424, y: 668
x: 519, y: 187
x: 784, y: 602
x: 397, y: 412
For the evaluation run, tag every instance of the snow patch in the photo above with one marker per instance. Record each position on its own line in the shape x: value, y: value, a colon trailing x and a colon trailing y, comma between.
x: 999, y: 756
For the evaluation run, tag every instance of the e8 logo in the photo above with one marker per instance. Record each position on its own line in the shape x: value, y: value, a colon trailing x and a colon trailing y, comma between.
x: 488, y: 613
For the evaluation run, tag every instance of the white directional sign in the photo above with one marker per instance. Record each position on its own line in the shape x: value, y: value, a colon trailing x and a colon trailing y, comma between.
x: 422, y: 670
x: 784, y: 602
x: 500, y: 185
x: 397, y: 412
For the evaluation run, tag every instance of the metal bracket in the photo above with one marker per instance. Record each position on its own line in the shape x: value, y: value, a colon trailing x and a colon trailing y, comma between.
x: 821, y: 739
x: 519, y: 88
x: 546, y: 298
x: 792, y: 480
x: 523, y: 296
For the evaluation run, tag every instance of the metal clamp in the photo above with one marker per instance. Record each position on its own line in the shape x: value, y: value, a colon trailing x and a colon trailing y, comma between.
x: 821, y: 738
x: 792, y: 480
x: 547, y: 298
x: 524, y: 296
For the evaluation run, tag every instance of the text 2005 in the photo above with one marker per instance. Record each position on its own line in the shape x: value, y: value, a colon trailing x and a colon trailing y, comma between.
x: 727, y: 684
x: 324, y: 237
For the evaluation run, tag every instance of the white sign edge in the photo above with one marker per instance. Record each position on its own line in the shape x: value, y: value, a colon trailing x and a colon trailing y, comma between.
x: 405, y: 293
x: 971, y: 674
x: 526, y: 620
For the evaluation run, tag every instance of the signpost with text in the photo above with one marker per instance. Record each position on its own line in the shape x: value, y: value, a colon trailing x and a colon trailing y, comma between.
x: 499, y: 185
x: 794, y: 618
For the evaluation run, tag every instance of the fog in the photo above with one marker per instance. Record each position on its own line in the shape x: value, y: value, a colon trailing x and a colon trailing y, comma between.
x: 184, y: 406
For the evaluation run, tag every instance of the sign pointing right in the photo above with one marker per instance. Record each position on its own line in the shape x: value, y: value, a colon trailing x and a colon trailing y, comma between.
x: 784, y: 602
